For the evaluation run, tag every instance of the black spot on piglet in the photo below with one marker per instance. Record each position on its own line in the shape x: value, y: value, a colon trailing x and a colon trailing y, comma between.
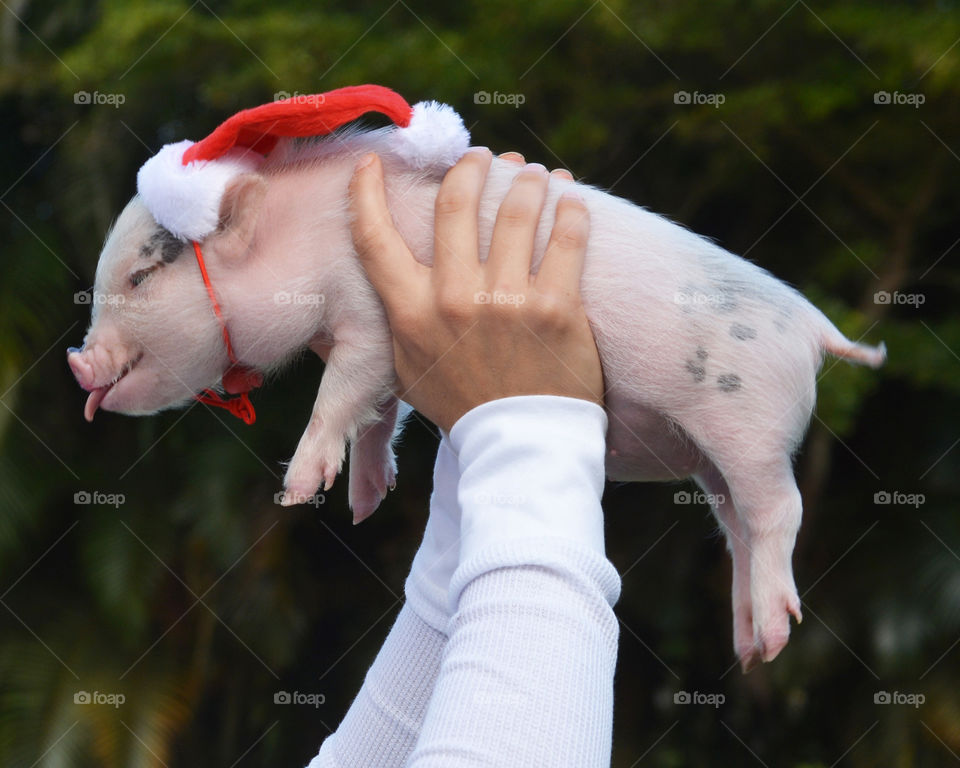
x: 743, y: 332
x: 728, y: 382
x: 698, y: 372
x: 169, y: 244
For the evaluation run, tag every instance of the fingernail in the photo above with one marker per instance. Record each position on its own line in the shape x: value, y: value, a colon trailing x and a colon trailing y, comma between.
x: 572, y: 194
x: 536, y: 167
x: 365, y: 161
x: 480, y: 150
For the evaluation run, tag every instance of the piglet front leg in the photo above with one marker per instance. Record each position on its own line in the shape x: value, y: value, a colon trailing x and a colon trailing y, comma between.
x: 373, y: 468
x: 359, y: 375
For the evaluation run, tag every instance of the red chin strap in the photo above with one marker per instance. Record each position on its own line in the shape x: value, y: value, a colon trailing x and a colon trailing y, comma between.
x: 238, y: 379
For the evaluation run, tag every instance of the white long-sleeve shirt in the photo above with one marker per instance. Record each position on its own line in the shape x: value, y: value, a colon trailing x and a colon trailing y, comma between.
x: 514, y: 591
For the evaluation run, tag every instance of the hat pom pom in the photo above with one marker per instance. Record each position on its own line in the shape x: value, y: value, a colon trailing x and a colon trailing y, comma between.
x: 185, y: 199
x: 435, y: 137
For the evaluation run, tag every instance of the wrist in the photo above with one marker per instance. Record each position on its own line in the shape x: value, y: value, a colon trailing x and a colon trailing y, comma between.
x: 531, y: 466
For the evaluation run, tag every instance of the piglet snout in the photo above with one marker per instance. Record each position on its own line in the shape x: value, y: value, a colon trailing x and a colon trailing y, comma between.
x: 82, y: 370
x: 97, y: 370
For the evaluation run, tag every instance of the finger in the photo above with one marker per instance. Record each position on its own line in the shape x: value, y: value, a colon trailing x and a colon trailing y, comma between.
x: 562, y: 266
x: 511, y: 248
x: 561, y: 173
x: 456, y: 260
x: 384, y: 255
x: 513, y: 157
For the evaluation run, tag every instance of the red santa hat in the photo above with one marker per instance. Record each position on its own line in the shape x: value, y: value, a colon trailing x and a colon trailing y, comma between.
x: 183, y: 183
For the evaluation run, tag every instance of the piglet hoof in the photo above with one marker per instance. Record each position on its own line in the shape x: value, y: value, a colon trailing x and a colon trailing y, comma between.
x: 772, y: 633
x: 368, y: 487
x: 300, y: 486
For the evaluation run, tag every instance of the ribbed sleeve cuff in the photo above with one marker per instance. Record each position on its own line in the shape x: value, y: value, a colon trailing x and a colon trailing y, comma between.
x: 531, y: 468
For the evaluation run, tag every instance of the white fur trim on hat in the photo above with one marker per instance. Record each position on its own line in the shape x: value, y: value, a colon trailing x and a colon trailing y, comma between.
x: 186, y: 198
x: 435, y: 137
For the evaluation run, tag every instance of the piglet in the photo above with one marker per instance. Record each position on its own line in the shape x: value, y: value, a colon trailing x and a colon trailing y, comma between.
x: 710, y: 361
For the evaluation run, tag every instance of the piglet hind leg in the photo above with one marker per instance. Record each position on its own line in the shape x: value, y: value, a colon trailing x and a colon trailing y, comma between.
x: 358, y: 376
x: 373, y: 467
x: 768, y: 512
x: 713, y: 484
x: 749, y: 440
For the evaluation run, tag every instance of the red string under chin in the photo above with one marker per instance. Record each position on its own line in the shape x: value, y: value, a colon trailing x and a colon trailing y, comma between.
x: 239, y: 406
x: 242, y: 378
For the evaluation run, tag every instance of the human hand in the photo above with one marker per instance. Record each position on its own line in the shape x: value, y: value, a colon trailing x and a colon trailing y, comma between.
x: 454, y: 349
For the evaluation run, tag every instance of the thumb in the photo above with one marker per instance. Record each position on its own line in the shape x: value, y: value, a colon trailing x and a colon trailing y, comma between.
x: 384, y: 255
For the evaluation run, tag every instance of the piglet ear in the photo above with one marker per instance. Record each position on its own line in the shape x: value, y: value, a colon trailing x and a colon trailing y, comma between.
x: 239, y: 210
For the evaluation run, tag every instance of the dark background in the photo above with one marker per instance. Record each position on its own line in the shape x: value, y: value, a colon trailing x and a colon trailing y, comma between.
x: 197, y: 598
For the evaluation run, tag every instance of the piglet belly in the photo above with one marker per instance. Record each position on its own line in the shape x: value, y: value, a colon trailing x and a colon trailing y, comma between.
x: 644, y: 445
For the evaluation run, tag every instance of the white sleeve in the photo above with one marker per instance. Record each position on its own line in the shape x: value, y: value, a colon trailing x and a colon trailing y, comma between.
x: 428, y: 584
x: 527, y: 673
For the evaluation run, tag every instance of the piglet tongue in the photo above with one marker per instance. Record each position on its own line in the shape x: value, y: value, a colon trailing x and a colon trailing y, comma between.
x: 93, y: 402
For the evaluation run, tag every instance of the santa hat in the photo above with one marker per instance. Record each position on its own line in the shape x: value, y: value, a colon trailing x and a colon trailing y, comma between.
x: 182, y: 184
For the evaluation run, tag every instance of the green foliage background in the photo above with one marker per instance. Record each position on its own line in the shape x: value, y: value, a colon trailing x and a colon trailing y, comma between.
x: 198, y: 598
